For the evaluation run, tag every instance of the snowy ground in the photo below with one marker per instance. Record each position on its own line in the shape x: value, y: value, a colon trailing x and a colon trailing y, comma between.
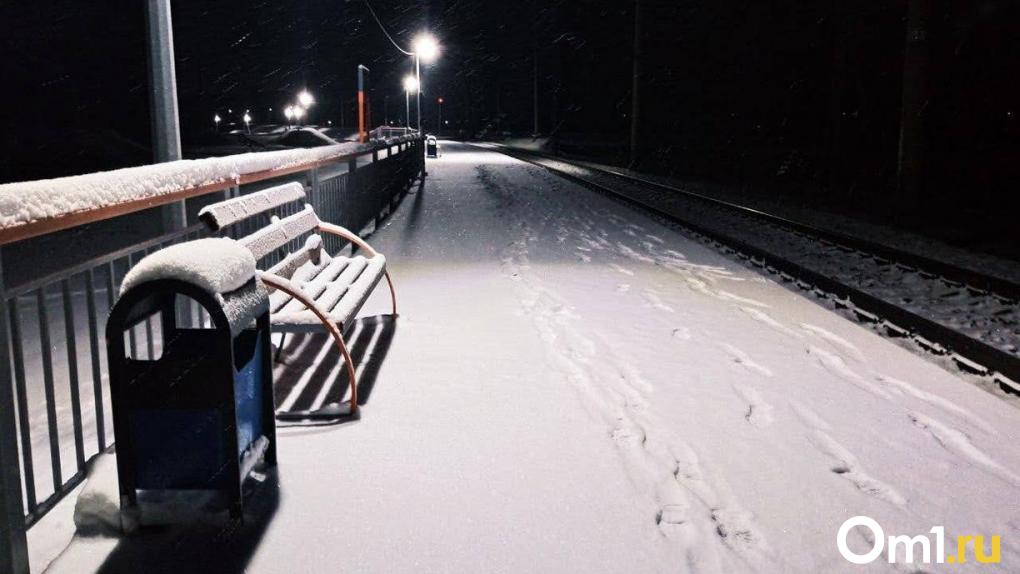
x: 572, y: 387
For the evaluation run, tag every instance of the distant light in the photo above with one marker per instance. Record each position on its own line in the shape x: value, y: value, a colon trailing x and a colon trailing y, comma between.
x: 247, y: 118
x: 305, y: 99
x: 447, y: 122
x: 289, y: 112
x: 410, y: 84
x: 217, y: 118
x: 299, y: 112
x: 230, y: 111
x: 425, y: 47
x: 440, y: 100
x: 330, y: 122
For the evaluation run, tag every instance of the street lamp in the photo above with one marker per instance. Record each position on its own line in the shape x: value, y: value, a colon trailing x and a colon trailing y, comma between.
x: 411, y: 84
x: 305, y: 99
x: 288, y: 113
x: 299, y: 113
x: 247, y: 122
x: 425, y: 48
x: 216, y: 121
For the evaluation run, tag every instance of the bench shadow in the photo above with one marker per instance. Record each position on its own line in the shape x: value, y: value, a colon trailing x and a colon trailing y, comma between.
x: 311, y: 374
x: 222, y: 545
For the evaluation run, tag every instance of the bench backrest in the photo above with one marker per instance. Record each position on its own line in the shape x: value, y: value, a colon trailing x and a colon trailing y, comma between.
x: 280, y: 232
x: 219, y: 215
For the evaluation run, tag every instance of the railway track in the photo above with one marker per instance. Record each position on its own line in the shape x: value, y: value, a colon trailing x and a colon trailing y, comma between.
x: 970, y: 317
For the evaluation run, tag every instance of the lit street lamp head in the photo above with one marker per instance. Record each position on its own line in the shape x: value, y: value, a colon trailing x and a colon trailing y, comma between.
x: 410, y: 84
x: 305, y: 99
x: 425, y: 47
x: 288, y: 112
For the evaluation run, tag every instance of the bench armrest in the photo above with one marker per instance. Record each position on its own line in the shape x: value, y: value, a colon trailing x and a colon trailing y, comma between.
x: 348, y: 235
x: 283, y: 284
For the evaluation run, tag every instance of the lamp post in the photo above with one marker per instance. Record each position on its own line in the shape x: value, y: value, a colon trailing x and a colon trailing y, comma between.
x: 288, y: 112
x: 247, y: 122
x: 439, y: 125
x: 216, y: 122
x: 425, y: 48
x: 410, y: 85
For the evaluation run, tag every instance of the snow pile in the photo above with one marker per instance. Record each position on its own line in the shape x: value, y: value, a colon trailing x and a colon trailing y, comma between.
x: 24, y: 202
x: 97, y: 509
x: 216, y: 264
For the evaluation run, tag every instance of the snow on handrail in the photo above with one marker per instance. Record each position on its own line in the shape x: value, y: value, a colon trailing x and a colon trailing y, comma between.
x: 33, y: 208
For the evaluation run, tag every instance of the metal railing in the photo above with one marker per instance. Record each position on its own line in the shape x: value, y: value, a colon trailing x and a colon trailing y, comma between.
x: 53, y: 369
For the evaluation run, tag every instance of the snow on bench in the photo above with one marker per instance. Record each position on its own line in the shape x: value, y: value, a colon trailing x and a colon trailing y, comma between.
x: 310, y: 289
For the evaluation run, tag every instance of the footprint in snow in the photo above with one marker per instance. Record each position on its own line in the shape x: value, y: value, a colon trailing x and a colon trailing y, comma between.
x: 763, y: 317
x: 835, y: 340
x: 620, y: 269
x: 846, y: 465
x: 653, y: 299
x: 759, y: 412
x: 834, y: 364
x: 682, y: 333
x: 622, y: 288
x: 738, y: 299
x: 958, y: 443
x: 743, y: 359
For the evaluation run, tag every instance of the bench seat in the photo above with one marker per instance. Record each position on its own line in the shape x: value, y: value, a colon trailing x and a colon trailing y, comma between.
x: 338, y: 285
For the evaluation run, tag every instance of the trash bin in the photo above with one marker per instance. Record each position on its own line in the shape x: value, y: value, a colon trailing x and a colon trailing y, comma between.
x: 431, y: 147
x: 200, y: 416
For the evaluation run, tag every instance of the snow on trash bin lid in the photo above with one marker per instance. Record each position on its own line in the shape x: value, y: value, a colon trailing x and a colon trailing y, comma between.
x: 217, y: 264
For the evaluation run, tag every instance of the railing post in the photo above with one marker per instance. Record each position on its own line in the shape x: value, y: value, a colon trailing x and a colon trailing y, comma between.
x: 13, y: 544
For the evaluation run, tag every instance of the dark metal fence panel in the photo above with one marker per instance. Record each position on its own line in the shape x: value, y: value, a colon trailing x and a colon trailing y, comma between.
x: 53, y: 409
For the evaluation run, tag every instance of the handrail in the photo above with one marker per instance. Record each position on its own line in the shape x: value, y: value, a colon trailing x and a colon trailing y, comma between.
x: 47, y: 225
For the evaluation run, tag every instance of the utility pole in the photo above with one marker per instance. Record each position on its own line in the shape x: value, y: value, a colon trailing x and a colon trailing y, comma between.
x: 534, y: 59
x: 417, y: 96
x: 915, y: 100
x: 166, y: 131
x: 635, y: 90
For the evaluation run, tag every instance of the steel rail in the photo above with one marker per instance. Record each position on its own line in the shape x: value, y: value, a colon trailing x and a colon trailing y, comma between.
x: 974, y: 280
x: 969, y: 353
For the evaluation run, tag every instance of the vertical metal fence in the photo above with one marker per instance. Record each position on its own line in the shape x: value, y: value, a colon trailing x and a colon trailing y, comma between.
x: 54, y: 411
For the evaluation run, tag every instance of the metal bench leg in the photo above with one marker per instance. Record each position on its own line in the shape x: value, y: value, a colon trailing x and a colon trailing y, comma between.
x: 279, y: 349
x: 393, y: 292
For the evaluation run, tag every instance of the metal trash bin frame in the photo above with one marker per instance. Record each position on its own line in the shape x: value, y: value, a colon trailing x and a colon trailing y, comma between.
x: 210, y: 385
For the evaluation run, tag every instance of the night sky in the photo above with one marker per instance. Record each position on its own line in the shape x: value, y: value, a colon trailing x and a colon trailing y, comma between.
x: 798, y: 96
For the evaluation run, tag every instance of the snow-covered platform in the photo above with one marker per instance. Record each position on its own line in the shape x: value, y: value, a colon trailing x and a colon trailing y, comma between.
x: 573, y: 387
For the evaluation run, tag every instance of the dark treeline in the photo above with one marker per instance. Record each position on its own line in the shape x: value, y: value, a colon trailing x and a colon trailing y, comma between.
x: 808, y: 100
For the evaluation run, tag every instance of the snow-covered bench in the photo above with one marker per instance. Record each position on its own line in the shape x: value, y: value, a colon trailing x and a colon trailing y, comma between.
x: 310, y: 289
